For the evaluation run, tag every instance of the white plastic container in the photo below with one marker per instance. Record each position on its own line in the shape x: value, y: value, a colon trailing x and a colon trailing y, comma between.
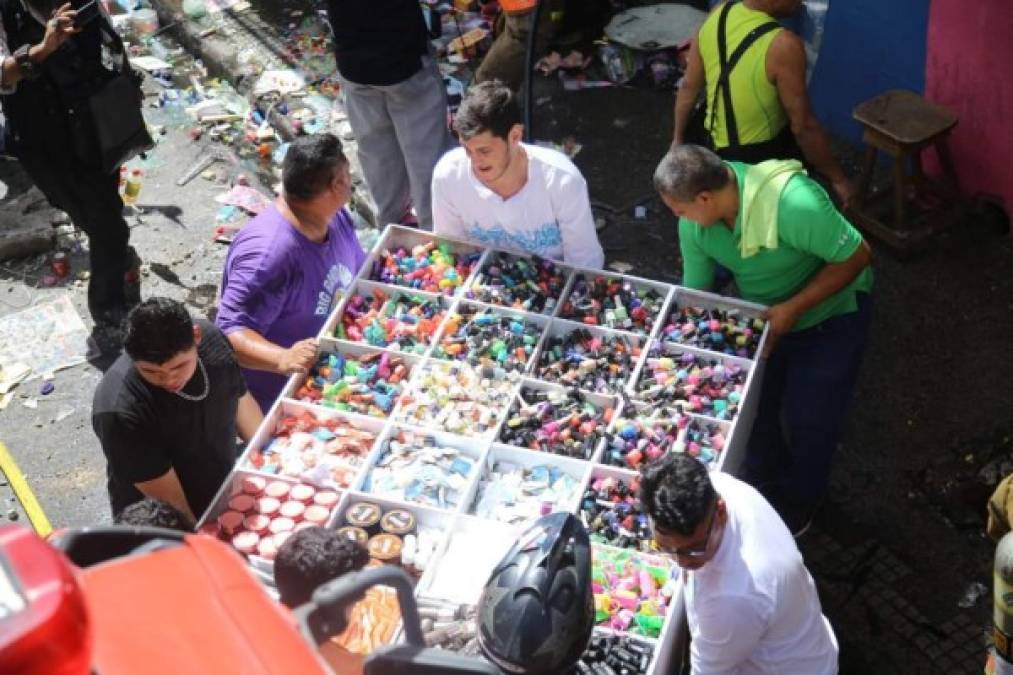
x: 484, y: 448
x: 470, y: 448
x: 684, y: 297
x: 356, y: 350
x: 504, y: 455
x: 398, y: 236
x: 563, y: 327
x: 663, y: 290
x: 291, y: 408
x: 601, y: 401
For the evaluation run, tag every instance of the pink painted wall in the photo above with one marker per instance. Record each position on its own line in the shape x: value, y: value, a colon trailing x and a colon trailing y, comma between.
x: 969, y: 69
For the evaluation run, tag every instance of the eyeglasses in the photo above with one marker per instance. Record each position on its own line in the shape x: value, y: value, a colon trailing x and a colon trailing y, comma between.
x: 699, y: 550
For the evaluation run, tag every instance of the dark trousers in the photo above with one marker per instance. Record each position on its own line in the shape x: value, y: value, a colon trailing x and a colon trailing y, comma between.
x: 92, y: 200
x: 782, y: 146
x: 505, y: 59
x: 804, y: 400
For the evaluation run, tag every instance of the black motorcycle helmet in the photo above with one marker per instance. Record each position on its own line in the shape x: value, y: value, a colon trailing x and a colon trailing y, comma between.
x: 536, y: 612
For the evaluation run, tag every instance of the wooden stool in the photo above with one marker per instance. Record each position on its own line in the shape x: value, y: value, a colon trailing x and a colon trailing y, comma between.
x: 901, y: 124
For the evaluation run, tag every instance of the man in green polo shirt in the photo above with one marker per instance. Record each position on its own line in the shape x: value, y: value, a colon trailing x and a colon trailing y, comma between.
x: 788, y: 247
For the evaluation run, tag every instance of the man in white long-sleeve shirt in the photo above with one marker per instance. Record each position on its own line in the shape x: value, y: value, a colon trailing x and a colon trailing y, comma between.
x: 499, y: 192
x: 751, y: 604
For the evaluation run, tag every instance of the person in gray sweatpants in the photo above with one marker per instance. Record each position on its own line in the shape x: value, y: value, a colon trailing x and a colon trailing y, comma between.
x: 395, y: 100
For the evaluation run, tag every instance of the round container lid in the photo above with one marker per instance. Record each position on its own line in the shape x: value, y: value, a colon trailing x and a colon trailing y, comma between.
x: 230, y: 521
x: 257, y: 522
x: 398, y: 521
x: 281, y: 538
x: 354, y: 533
x: 281, y: 524
x: 292, y: 509
x: 326, y: 498
x: 267, y: 548
x: 655, y: 27
x: 363, y: 514
x: 385, y: 547
x: 278, y: 489
x: 268, y: 506
x: 317, y: 515
x: 246, y: 542
x: 254, y: 485
x: 242, y: 503
x: 302, y: 493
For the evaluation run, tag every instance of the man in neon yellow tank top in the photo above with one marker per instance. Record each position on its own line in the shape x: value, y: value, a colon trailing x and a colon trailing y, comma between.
x: 789, y: 248
x: 765, y: 67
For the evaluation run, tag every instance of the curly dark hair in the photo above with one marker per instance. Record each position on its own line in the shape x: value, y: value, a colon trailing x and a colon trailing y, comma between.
x: 153, y: 513
x: 157, y: 330
x: 489, y: 106
x: 310, y: 558
x: 677, y: 492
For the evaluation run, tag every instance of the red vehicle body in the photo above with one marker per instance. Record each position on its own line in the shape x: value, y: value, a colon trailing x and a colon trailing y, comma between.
x: 191, y: 606
x: 126, y: 601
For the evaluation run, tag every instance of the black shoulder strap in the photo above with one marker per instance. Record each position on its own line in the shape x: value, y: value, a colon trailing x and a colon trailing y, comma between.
x: 728, y: 65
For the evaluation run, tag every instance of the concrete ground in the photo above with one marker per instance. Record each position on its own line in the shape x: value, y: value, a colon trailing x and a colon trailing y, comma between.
x: 899, y: 541
x: 62, y: 459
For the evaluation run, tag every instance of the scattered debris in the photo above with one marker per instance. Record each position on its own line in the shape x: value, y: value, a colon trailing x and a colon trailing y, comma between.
x: 197, y: 168
x: 621, y: 63
x: 11, y: 374
x: 63, y: 414
x: 465, y: 43
x: 246, y: 198
x: 553, y: 62
x: 582, y: 82
x: 48, y: 336
x: 151, y: 64
x: 282, y: 82
x: 217, y: 6
x: 620, y: 266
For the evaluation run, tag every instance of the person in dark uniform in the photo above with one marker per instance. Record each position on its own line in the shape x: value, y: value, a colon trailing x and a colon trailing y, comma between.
x: 51, y: 66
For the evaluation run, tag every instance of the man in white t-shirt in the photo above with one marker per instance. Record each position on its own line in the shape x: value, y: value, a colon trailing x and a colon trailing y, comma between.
x: 751, y: 604
x: 498, y: 192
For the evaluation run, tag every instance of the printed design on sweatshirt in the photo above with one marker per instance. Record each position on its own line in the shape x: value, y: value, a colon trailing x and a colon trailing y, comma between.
x: 542, y: 240
x: 339, y: 276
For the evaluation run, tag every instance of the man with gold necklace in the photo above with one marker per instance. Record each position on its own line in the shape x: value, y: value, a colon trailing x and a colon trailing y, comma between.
x: 168, y: 410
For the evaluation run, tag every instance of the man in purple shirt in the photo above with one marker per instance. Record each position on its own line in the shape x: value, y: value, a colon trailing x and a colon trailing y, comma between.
x: 285, y: 266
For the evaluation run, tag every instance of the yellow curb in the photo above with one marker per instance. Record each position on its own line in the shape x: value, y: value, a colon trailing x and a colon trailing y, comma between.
x: 29, y: 503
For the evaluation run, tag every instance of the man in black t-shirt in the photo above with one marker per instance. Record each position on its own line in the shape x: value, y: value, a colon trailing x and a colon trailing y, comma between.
x: 168, y: 410
x: 395, y: 100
